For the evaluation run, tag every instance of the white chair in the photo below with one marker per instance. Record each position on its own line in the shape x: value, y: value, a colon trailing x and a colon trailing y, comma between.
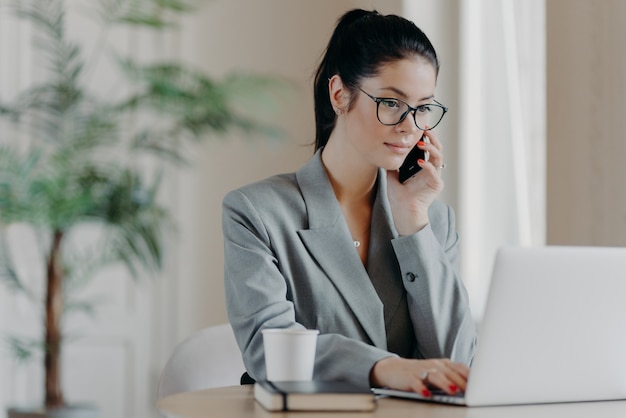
x: 207, y: 359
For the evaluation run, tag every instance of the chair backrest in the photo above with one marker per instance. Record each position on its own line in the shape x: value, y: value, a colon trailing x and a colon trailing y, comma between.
x: 209, y: 358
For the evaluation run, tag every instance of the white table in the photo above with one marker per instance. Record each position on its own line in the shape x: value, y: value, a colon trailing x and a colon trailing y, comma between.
x: 238, y: 402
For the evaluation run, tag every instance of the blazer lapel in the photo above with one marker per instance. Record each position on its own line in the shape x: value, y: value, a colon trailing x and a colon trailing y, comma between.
x: 328, y: 241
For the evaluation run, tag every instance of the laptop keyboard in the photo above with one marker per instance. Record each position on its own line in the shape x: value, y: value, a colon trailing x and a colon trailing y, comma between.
x: 441, y: 396
x: 436, y: 396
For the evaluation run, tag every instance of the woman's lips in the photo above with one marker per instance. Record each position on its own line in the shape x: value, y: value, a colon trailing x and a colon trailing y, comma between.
x: 401, y: 149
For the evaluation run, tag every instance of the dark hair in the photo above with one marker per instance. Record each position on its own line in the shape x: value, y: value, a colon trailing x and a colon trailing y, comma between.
x: 363, y: 41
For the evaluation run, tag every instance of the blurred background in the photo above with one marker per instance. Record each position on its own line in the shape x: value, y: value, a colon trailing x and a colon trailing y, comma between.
x: 534, y: 149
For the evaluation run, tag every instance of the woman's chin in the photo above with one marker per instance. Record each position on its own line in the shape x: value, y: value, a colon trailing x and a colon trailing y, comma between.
x: 390, y: 163
x: 393, y: 165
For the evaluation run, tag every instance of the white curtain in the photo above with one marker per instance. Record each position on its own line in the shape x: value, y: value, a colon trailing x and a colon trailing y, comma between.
x: 502, y: 133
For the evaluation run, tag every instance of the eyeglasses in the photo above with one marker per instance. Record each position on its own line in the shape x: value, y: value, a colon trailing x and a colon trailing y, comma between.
x: 391, y: 112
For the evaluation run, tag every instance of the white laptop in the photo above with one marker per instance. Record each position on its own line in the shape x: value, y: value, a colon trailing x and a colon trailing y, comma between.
x: 554, y: 329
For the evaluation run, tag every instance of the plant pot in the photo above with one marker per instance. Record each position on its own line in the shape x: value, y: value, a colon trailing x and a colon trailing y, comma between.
x: 69, y: 411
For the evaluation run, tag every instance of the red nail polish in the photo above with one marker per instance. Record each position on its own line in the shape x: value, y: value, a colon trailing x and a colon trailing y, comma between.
x: 420, y: 161
x: 426, y: 393
x: 454, y: 388
x: 421, y: 143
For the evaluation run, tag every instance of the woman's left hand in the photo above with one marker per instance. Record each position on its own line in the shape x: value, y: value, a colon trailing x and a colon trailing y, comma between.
x: 418, y: 375
x: 410, y: 201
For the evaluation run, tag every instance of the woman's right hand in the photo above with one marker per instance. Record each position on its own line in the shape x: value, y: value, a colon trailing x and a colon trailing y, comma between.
x: 420, y: 375
x: 410, y: 201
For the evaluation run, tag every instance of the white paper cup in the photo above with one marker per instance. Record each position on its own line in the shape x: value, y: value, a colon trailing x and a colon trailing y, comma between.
x: 289, y: 353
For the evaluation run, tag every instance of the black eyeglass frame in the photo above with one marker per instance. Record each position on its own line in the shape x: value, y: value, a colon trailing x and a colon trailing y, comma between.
x: 379, y: 100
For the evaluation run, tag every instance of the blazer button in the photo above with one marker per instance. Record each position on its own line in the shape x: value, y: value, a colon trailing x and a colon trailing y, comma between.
x: 410, y: 277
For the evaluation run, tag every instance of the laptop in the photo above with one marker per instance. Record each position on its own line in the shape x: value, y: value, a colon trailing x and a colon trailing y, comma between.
x: 554, y: 329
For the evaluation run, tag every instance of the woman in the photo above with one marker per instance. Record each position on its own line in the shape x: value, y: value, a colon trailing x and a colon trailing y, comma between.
x: 341, y: 245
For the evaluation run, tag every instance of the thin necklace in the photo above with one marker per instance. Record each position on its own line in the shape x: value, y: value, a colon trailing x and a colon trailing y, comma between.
x: 357, y: 242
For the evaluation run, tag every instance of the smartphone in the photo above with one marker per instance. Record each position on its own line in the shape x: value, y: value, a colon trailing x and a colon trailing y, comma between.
x: 410, y: 167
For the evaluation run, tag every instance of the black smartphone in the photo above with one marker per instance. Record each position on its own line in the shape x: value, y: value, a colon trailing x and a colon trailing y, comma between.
x: 410, y: 167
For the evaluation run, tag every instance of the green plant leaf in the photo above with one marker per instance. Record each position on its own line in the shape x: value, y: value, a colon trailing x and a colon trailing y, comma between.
x: 8, y: 273
x: 158, y: 144
x: 85, y: 306
x: 24, y: 348
x: 155, y: 14
x: 196, y: 105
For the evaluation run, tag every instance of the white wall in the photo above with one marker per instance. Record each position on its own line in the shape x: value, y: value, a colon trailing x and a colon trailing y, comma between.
x: 586, y: 137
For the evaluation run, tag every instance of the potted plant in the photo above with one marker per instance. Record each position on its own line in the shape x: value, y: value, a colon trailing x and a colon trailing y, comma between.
x: 76, y: 164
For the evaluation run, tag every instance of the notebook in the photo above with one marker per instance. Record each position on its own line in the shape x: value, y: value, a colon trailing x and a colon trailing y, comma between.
x: 314, y: 395
x: 554, y: 329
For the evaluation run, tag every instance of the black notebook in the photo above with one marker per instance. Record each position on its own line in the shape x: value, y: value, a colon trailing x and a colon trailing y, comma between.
x: 313, y: 396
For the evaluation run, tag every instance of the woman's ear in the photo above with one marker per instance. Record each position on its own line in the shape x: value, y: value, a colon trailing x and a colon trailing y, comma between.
x: 339, y: 95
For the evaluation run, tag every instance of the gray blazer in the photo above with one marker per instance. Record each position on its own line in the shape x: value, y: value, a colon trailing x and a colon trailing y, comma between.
x: 290, y: 263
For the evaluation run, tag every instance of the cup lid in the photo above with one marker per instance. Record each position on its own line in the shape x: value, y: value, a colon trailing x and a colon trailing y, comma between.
x: 289, y: 331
